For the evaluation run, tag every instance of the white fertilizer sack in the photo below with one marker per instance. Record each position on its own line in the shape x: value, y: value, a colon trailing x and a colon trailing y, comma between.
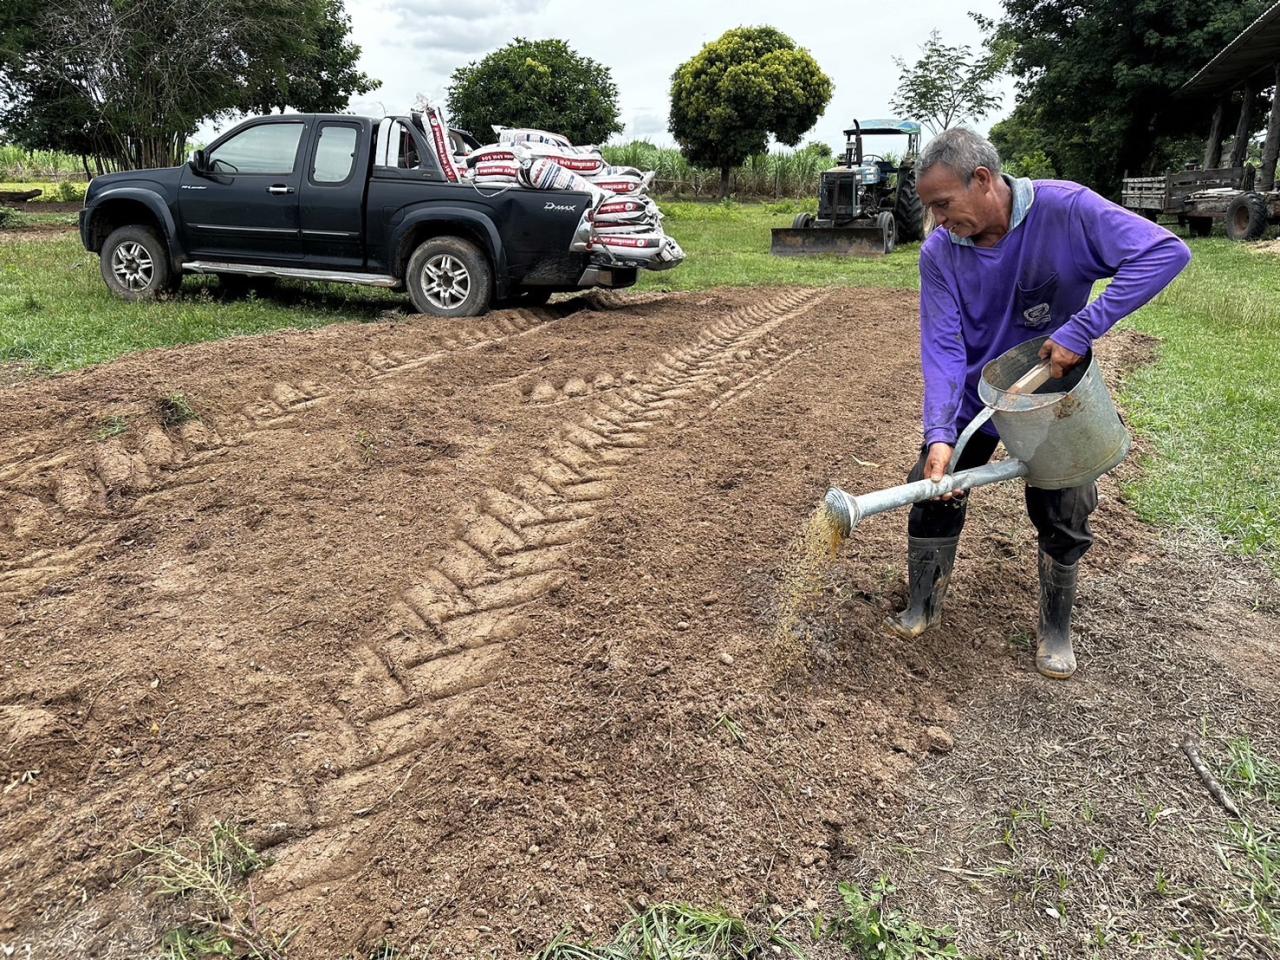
x: 496, y: 171
x: 438, y: 134
x: 632, y: 210
x: 624, y: 183
x: 653, y: 251
x: 613, y: 171
x: 546, y: 174
x: 528, y: 135
x: 583, y: 164
x: 494, y: 151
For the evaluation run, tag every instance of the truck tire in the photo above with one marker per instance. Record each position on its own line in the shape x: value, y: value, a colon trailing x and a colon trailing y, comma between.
x: 134, y: 263
x: 1200, y: 226
x: 908, y: 211
x: 1247, y: 217
x: 449, y: 277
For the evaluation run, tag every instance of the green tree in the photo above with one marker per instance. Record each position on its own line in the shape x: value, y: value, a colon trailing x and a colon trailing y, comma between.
x: 1098, y: 82
x: 737, y: 91
x: 1023, y: 144
x: 127, y: 82
x: 536, y: 83
x: 947, y: 84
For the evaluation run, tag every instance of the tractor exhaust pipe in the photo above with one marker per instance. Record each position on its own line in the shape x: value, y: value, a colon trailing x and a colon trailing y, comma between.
x: 848, y: 511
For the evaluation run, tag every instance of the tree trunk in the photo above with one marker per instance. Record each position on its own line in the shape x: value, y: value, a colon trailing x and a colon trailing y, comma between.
x: 1271, y: 148
x: 1213, y: 148
x: 724, y: 183
x: 1240, y: 149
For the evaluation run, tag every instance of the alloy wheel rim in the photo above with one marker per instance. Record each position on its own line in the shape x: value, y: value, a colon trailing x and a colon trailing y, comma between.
x: 133, y: 265
x: 446, y: 281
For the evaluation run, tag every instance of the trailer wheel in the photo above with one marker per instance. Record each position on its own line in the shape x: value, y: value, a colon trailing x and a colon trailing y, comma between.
x: 1200, y: 226
x: 1247, y: 217
x: 449, y: 277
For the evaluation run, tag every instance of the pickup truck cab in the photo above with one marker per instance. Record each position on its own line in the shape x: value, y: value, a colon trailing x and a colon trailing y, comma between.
x: 339, y: 199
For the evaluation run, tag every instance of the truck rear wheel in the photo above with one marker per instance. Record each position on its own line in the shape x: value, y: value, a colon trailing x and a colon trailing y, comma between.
x: 449, y: 277
x: 134, y: 263
x: 1247, y: 217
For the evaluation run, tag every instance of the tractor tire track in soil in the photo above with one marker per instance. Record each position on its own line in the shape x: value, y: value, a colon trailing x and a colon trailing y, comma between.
x: 446, y: 633
x: 115, y: 480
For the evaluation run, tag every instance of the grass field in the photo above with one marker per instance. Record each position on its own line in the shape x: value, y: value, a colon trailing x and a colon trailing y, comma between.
x: 1210, y: 405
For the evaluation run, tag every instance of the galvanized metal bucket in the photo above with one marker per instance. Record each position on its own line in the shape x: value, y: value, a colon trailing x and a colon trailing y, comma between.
x: 1068, y: 432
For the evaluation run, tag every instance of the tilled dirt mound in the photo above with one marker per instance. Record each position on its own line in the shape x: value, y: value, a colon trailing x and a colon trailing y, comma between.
x: 471, y: 624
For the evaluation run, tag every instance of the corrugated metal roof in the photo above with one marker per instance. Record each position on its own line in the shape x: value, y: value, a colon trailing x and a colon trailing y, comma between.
x: 1253, y: 51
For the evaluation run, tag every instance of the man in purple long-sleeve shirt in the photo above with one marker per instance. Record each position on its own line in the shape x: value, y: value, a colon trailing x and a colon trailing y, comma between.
x: 1014, y: 260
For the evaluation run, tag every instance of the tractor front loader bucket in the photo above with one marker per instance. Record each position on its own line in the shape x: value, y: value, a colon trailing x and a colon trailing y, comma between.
x: 867, y: 240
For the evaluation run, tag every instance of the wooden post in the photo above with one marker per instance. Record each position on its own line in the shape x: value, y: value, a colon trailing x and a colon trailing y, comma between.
x: 1271, y: 148
x: 1213, y: 147
x: 1240, y: 148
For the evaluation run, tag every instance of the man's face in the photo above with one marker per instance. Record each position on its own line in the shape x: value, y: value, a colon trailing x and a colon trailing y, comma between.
x: 965, y: 211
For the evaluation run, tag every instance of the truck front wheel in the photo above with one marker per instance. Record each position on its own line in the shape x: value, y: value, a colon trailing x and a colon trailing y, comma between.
x: 449, y: 277
x: 135, y: 264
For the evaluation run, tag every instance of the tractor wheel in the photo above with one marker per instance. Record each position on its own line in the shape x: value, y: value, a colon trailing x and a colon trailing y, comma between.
x: 1247, y: 217
x: 888, y: 230
x: 803, y: 221
x: 1200, y: 226
x: 908, y: 211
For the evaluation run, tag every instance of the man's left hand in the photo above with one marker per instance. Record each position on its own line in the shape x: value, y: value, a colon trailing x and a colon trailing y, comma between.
x: 1061, y: 360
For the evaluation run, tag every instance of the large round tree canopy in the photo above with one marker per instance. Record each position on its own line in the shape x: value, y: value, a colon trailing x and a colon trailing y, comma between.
x: 737, y: 91
x: 536, y: 83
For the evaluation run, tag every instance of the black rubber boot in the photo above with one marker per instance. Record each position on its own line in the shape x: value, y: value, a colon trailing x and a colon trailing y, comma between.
x: 929, y: 564
x: 1054, y: 656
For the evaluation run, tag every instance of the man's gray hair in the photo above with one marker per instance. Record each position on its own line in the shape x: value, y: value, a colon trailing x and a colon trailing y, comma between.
x: 962, y: 150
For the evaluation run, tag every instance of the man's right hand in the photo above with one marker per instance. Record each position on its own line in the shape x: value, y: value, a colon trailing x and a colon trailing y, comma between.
x: 935, y: 467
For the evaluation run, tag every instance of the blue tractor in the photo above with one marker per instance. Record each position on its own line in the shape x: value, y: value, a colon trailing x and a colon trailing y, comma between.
x: 866, y: 203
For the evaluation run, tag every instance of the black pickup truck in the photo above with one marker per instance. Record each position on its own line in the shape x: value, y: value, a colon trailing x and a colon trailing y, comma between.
x: 339, y: 199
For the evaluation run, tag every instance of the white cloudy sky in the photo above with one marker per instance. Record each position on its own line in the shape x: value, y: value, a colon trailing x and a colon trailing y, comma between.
x: 412, y: 46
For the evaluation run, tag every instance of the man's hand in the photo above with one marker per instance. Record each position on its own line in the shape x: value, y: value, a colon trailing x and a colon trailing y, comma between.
x: 935, y: 467
x: 1061, y: 360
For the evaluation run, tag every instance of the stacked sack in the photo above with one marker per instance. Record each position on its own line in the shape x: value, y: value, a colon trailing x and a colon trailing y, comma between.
x: 622, y: 225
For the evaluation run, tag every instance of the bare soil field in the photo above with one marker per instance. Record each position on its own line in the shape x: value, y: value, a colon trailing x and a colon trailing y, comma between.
x: 471, y: 625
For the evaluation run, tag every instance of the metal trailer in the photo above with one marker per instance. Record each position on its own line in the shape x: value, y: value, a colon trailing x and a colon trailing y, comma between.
x: 1244, y: 198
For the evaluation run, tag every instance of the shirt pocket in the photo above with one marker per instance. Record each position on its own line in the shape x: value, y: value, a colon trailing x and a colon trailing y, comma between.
x: 1033, y: 304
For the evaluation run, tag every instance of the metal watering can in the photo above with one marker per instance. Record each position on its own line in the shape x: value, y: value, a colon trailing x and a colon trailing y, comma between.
x: 1059, y: 433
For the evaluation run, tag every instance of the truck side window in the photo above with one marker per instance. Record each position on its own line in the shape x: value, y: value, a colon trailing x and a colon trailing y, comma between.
x: 335, y: 153
x: 264, y: 148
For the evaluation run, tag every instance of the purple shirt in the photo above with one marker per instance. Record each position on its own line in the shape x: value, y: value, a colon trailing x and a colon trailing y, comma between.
x: 978, y: 302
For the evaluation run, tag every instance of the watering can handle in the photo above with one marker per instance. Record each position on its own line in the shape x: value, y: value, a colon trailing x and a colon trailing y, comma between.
x: 1029, y: 382
x: 1033, y: 379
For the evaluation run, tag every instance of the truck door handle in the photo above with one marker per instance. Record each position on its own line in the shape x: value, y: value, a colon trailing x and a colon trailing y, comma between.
x: 279, y: 188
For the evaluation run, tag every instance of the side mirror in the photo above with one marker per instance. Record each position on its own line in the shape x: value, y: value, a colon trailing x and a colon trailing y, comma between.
x: 198, y: 162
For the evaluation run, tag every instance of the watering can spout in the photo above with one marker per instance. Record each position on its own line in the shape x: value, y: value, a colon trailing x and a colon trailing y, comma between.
x: 842, y: 509
x: 847, y: 511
